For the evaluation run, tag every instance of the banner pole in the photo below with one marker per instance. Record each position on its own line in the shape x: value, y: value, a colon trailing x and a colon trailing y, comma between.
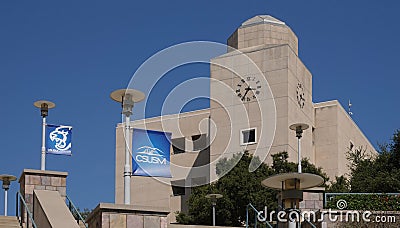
x: 127, y: 171
x: 127, y: 97
x: 44, y: 111
x: 5, y: 202
x: 43, y: 160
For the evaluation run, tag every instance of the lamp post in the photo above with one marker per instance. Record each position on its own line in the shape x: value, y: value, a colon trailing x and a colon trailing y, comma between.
x: 127, y: 98
x: 44, y: 112
x: 299, y: 128
x: 293, y: 184
x: 6, y: 185
x: 214, y: 198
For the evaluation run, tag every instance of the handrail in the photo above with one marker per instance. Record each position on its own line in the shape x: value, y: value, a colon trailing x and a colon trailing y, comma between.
x: 352, y: 193
x: 19, y: 196
x: 71, y: 206
x: 257, y: 213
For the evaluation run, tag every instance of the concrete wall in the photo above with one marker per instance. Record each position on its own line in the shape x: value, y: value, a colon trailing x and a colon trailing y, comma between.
x: 39, y: 216
x: 107, y: 215
x: 50, y: 210
x: 334, y: 132
x: 31, y: 180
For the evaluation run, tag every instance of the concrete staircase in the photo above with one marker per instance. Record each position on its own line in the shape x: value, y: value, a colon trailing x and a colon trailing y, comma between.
x: 9, y: 222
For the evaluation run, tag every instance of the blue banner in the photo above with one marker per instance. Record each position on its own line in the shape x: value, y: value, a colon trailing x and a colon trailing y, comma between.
x: 151, y: 153
x: 58, y: 139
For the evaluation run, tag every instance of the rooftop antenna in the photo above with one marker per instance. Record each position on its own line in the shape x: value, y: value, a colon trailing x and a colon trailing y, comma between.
x: 350, y: 112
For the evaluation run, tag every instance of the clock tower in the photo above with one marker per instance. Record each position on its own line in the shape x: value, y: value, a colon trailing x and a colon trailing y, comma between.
x: 270, y: 90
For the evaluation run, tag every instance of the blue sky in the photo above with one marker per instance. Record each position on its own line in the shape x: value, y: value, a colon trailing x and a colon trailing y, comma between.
x: 76, y: 52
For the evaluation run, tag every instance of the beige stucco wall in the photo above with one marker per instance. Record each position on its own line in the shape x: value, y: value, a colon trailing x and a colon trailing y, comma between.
x: 334, y: 131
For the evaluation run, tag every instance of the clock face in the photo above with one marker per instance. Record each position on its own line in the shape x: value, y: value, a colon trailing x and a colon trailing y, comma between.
x: 248, y: 88
x: 300, y: 95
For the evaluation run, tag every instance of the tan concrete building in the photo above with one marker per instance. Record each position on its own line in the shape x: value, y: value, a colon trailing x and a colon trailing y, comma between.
x: 253, y: 103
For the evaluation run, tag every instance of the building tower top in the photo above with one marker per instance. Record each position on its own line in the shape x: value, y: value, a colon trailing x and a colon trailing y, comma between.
x: 263, y: 30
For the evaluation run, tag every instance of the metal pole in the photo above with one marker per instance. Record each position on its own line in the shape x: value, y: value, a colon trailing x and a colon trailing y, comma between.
x: 299, y: 154
x: 209, y: 132
x: 255, y: 219
x: 213, y: 214
x: 43, y: 161
x: 247, y: 216
x: 5, y: 202
x: 127, y: 171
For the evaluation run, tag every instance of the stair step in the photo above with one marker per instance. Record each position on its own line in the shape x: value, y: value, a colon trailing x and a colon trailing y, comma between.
x: 9, y: 221
x: 7, y: 218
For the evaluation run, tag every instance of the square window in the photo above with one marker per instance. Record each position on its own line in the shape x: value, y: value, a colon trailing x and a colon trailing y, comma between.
x: 351, y: 146
x: 178, y: 145
x: 178, y: 191
x: 178, y: 188
x: 199, y: 142
x: 248, y: 136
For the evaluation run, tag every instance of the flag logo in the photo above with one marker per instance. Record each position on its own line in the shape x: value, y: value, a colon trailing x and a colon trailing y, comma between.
x: 59, y: 139
x: 151, y: 153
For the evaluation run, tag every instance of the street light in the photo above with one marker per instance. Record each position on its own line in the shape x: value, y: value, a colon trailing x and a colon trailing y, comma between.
x: 299, y: 128
x: 293, y: 184
x: 6, y: 185
x: 127, y: 98
x: 44, y: 111
x: 214, y: 198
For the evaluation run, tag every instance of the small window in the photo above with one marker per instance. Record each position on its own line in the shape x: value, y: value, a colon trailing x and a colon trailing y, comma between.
x: 351, y: 146
x: 199, y: 142
x: 178, y: 191
x: 248, y: 136
x: 178, y: 188
x: 178, y: 145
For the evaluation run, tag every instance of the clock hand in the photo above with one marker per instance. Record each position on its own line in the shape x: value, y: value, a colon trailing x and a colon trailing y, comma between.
x: 244, y: 95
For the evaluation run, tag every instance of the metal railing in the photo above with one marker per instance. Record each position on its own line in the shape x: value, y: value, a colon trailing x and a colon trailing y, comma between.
x: 74, y: 211
x: 28, y: 213
x: 332, y: 195
x: 256, y: 215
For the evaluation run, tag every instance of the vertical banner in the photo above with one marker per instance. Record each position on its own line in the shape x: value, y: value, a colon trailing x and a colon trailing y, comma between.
x: 151, y: 153
x: 58, y: 139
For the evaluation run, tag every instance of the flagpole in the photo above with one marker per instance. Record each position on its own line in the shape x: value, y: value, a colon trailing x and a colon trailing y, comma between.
x: 127, y: 167
x: 43, y: 160
x: 44, y: 112
x: 127, y: 97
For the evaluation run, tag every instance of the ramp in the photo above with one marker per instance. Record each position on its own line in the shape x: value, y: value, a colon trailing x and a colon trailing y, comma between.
x: 50, y: 210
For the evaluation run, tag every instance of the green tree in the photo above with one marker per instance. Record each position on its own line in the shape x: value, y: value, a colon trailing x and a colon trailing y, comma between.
x: 380, y: 174
x: 280, y: 164
x: 239, y: 188
x: 340, y: 185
